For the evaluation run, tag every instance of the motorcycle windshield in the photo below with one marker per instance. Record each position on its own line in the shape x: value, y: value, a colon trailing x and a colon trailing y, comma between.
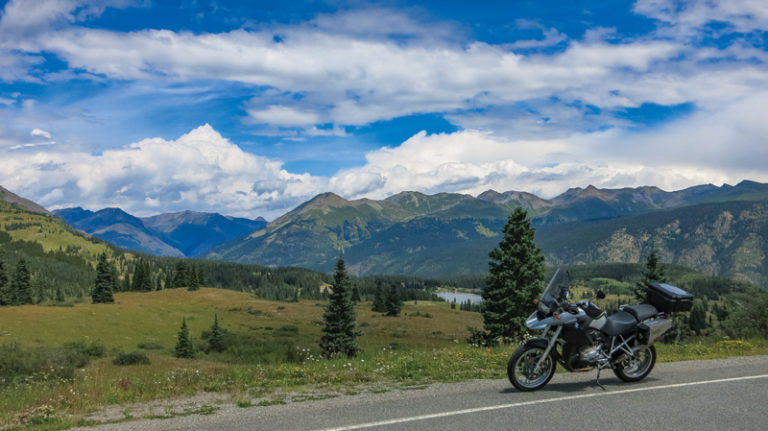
x: 555, y: 292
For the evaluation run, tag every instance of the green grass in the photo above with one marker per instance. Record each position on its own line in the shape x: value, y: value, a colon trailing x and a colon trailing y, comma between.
x: 408, y: 351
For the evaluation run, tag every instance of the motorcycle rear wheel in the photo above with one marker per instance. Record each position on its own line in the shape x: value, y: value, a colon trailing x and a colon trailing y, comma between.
x: 635, y: 369
x: 520, y: 368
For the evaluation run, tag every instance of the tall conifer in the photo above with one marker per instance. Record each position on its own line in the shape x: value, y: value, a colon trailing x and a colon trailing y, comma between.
x: 184, y: 348
x: 379, y: 301
x: 515, y: 280
x: 216, y: 339
x: 653, y: 273
x: 393, y: 303
x: 104, y: 285
x: 340, y: 318
x: 5, y: 287
x: 21, y: 285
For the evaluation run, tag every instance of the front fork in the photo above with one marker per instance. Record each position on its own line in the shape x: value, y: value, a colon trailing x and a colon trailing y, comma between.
x: 550, y: 346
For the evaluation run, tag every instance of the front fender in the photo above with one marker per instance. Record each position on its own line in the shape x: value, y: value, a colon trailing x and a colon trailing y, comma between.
x: 542, y: 343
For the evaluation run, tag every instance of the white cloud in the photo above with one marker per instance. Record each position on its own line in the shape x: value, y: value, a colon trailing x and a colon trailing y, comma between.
x: 200, y: 170
x: 349, y: 71
x: 686, y: 17
x: 40, y: 132
x: 283, y: 116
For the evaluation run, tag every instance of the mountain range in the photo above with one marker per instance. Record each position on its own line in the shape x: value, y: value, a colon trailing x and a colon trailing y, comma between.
x: 718, y: 230
x: 182, y: 234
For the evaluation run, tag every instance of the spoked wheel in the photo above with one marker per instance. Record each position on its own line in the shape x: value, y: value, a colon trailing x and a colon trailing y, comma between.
x: 633, y: 369
x: 521, y: 368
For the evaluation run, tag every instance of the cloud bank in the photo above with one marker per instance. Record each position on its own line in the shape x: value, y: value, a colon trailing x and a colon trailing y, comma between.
x: 539, y: 115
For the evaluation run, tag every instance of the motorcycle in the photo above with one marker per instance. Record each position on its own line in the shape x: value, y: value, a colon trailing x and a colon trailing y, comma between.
x: 580, y: 337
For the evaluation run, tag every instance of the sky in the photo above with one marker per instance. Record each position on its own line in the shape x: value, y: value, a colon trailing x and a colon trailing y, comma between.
x: 249, y: 108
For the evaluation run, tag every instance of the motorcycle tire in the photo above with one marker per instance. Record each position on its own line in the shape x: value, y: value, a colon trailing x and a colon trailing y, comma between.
x: 636, y: 368
x: 520, y: 368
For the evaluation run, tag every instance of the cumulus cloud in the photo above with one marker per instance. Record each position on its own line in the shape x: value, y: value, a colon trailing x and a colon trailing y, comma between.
x: 200, y: 170
x: 471, y: 162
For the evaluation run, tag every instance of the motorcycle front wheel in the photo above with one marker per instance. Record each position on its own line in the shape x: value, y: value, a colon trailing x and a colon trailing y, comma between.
x: 521, y: 368
x: 636, y: 368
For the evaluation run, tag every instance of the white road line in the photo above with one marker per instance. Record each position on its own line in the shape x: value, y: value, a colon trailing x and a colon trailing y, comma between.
x: 530, y: 403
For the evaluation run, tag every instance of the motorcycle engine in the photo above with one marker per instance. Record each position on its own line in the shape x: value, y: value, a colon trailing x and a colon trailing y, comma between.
x: 590, y: 354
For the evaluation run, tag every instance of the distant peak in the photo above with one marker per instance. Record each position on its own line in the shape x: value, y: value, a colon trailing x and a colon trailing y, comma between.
x: 324, y: 200
x: 488, y: 194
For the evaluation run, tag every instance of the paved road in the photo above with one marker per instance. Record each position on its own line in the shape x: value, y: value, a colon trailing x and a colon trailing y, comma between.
x: 697, y: 395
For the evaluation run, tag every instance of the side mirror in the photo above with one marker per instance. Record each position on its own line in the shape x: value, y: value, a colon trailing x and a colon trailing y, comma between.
x: 600, y: 294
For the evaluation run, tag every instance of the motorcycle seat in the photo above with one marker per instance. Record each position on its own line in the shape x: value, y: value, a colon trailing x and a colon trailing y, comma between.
x: 641, y: 311
x: 619, y: 323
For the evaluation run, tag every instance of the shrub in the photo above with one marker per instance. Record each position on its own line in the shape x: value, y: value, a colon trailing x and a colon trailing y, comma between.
x: 131, y: 358
x: 45, y: 363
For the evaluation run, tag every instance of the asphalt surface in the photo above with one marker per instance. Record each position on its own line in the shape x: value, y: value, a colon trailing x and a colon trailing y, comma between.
x: 696, y: 395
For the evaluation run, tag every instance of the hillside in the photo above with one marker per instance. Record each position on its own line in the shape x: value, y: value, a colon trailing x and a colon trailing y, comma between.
x: 449, y: 234
x: 58, y: 256
x: 182, y: 234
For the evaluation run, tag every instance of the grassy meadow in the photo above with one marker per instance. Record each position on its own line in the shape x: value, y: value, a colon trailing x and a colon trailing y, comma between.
x: 273, y: 356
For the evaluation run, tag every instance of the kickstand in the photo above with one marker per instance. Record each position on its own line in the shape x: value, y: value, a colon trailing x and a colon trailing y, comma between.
x: 598, y: 378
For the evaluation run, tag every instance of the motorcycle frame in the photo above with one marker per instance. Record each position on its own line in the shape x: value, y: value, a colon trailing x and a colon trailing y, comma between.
x: 623, y: 345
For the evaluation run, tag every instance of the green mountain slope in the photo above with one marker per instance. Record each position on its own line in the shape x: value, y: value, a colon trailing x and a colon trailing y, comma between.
x: 451, y: 234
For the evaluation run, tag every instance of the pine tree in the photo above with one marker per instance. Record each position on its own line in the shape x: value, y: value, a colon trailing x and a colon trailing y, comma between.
x: 169, y: 279
x: 192, y: 279
x: 653, y: 273
x: 5, y: 287
x: 379, y: 301
x: 515, y: 280
x: 697, y: 320
x: 181, y: 275
x: 21, y: 285
x: 393, y: 302
x: 201, y: 276
x: 184, y: 348
x: 356, y: 294
x: 340, y: 327
x: 216, y: 338
x: 104, y: 286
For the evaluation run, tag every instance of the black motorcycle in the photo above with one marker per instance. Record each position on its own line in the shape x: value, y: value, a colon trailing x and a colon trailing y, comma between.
x: 580, y: 337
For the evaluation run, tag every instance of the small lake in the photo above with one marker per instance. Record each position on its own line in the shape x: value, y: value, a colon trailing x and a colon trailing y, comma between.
x: 461, y: 297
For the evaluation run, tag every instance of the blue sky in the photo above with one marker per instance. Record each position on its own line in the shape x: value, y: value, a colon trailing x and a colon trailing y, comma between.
x: 250, y: 108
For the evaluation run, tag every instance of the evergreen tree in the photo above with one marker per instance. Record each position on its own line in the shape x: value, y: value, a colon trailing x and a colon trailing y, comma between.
x: 126, y: 283
x: 515, y: 280
x: 653, y: 273
x: 697, y: 320
x: 200, y: 276
x: 184, y: 348
x: 216, y: 338
x: 393, y: 303
x: 169, y: 279
x: 104, y: 286
x: 5, y: 287
x: 340, y: 327
x: 142, y: 277
x: 379, y: 301
x: 60, y: 295
x: 356, y: 294
x: 21, y: 285
x: 181, y: 275
x: 192, y: 279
